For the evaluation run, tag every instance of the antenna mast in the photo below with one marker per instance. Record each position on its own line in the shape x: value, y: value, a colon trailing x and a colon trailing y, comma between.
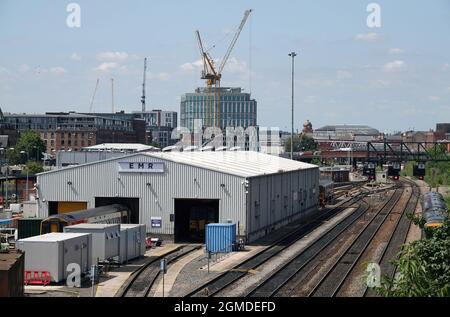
x: 143, y: 85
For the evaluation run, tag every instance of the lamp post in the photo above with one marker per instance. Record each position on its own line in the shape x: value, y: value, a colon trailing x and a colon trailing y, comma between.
x: 26, y: 185
x: 292, y: 55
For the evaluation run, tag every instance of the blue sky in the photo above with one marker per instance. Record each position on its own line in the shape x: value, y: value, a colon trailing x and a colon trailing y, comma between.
x: 393, y: 78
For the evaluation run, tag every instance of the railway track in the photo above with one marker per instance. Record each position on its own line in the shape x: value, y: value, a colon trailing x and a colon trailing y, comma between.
x: 285, y: 273
x: 226, y: 279
x: 331, y: 282
x: 297, y: 266
x: 397, y: 239
x: 143, y: 279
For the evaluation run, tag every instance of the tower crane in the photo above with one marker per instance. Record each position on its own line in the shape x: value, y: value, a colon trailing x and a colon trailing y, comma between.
x: 213, y: 75
x: 91, y: 107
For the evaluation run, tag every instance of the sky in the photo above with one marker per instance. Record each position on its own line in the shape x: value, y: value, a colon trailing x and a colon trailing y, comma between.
x: 392, y: 77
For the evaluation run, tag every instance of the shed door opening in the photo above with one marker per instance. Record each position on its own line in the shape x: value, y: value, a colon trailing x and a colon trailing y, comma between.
x: 62, y: 207
x: 191, y: 217
x: 131, y: 203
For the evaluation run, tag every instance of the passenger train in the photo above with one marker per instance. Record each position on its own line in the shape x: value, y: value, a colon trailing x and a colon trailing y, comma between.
x: 434, y: 209
x: 115, y: 213
x: 326, y: 188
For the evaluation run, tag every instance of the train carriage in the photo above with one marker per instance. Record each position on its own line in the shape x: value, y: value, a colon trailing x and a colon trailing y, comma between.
x: 115, y: 213
x: 434, y: 209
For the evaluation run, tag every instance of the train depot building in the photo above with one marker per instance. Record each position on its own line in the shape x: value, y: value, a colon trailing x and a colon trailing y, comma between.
x: 176, y: 193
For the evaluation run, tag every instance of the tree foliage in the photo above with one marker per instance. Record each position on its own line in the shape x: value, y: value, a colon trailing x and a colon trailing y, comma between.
x: 33, y: 168
x: 301, y: 144
x: 29, y: 147
x: 423, y: 266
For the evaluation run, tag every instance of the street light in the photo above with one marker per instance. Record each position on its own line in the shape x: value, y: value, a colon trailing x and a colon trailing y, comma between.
x: 26, y: 185
x: 292, y: 54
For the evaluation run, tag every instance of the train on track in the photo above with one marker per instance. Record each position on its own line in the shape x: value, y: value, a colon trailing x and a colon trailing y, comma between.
x: 434, y: 209
x: 326, y: 189
x: 115, y: 213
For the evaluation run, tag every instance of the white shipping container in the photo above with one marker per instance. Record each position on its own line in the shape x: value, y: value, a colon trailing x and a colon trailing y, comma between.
x: 105, y: 239
x: 53, y: 252
x: 30, y: 209
x: 132, y: 241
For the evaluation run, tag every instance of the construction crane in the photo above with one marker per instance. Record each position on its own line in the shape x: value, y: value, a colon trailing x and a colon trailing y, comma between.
x: 143, y: 85
x: 112, y: 95
x: 213, y: 76
x: 91, y: 107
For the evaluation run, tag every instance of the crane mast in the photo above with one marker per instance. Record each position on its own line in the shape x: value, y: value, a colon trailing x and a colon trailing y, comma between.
x: 91, y: 106
x: 213, y: 76
x: 143, y: 85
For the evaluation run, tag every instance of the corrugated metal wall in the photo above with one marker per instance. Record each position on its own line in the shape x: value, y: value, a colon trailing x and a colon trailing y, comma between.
x: 102, y: 179
x: 275, y: 200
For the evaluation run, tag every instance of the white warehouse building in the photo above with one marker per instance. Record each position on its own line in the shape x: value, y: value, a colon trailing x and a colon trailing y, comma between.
x: 176, y: 193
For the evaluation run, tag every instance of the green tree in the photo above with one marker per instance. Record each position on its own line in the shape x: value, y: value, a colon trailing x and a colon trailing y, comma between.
x: 301, y: 144
x: 423, y: 266
x: 33, y: 168
x: 29, y: 147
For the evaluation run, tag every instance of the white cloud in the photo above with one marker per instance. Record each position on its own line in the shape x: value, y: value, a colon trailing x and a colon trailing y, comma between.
x: 3, y: 70
x: 109, y: 66
x: 235, y: 66
x: 112, y: 56
x: 163, y: 76
x: 394, y: 66
x: 367, y: 37
x: 24, y: 68
x: 343, y: 74
x: 396, y: 50
x: 446, y: 67
x: 58, y: 70
x: 198, y: 64
x: 434, y: 98
x: 75, y: 57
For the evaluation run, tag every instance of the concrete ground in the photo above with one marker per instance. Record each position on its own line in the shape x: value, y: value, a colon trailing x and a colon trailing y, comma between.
x: 415, y: 233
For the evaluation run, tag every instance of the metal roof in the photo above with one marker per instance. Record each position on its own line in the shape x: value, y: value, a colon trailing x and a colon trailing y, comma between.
x: 240, y: 163
x: 54, y: 237
x: 353, y: 128
x: 119, y: 147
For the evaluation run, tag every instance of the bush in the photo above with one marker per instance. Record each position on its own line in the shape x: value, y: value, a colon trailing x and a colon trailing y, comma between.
x: 423, y: 266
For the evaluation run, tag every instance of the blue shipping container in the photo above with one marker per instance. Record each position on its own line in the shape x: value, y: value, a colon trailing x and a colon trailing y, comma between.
x: 220, y: 237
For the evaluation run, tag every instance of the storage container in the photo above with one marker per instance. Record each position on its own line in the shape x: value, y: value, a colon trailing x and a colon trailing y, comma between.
x: 132, y: 241
x: 53, y: 252
x: 220, y: 237
x: 11, y: 274
x: 28, y: 227
x: 30, y: 209
x: 105, y: 239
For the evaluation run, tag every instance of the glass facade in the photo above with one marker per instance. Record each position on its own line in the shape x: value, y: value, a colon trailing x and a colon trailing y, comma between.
x: 237, y: 109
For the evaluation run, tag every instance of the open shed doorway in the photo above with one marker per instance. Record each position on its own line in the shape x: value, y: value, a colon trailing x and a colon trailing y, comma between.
x: 131, y: 203
x: 191, y: 217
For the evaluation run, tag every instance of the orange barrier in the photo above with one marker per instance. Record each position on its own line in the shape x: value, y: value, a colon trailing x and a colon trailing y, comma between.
x: 37, y: 278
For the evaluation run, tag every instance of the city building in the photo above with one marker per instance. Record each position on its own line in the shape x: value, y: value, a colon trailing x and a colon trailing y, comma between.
x: 8, y: 135
x: 346, y: 132
x: 176, y: 193
x: 159, y: 125
x: 73, y: 131
x: 237, y: 109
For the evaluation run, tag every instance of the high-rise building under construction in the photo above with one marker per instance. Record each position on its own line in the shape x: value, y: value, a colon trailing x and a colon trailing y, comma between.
x: 237, y: 109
